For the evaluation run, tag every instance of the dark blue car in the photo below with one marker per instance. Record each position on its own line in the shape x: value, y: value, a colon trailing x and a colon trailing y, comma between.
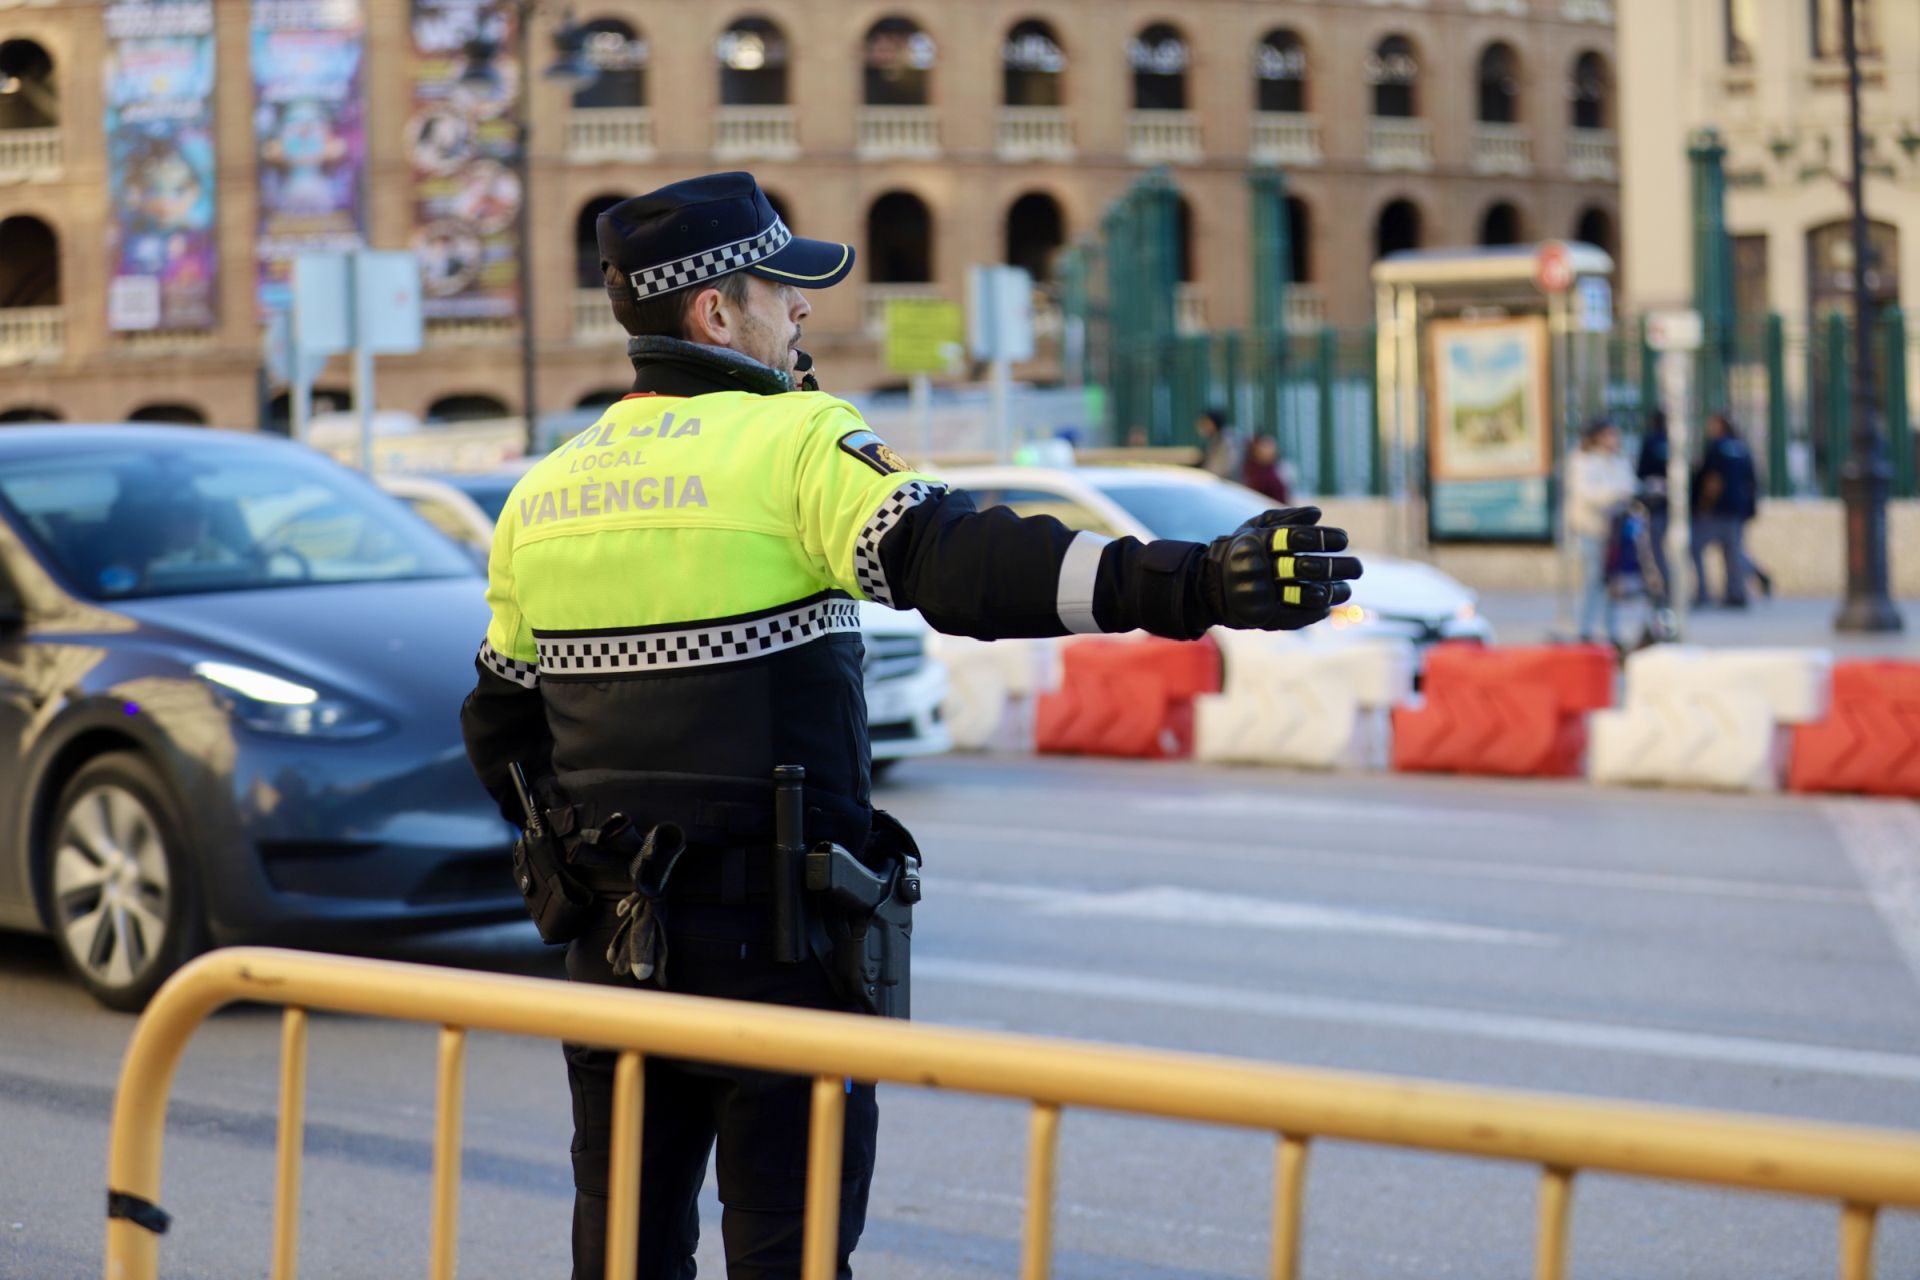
x: 230, y: 678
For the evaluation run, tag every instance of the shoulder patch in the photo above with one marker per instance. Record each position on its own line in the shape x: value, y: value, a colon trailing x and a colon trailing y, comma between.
x: 874, y: 451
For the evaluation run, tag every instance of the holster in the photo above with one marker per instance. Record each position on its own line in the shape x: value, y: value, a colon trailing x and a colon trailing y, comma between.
x: 863, y: 917
x: 558, y: 902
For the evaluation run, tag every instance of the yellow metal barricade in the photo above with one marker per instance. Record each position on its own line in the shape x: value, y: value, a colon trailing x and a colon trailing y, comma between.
x: 1860, y: 1170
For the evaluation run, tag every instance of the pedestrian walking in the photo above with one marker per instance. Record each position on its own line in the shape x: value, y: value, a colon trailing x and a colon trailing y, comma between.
x: 673, y: 597
x: 1264, y: 472
x: 1222, y: 447
x: 1725, y: 499
x: 1599, y: 483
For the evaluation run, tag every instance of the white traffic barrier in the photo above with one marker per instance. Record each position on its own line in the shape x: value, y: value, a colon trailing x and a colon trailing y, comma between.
x: 1712, y: 718
x: 990, y: 689
x: 1315, y: 704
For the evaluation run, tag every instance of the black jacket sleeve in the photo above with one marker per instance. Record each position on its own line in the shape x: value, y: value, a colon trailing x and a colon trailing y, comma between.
x: 994, y: 575
x: 503, y: 722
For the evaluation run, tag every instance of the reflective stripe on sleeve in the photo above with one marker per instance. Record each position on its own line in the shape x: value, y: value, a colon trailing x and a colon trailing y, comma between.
x: 1078, y: 571
x: 867, y: 569
x: 524, y: 674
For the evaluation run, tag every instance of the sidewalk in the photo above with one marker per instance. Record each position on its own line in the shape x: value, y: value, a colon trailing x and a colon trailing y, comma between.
x: 1791, y: 622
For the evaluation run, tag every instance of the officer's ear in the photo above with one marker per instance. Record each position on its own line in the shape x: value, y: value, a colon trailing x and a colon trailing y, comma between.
x: 711, y: 318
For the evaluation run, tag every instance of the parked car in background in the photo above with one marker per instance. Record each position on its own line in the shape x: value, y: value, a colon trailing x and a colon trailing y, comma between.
x: 905, y: 683
x: 1395, y: 597
x: 230, y: 678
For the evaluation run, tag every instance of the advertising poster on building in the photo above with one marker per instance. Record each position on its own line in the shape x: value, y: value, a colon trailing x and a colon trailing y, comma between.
x: 309, y: 121
x: 1489, y: 449
x: 463, y: 145
x: 160, y: 174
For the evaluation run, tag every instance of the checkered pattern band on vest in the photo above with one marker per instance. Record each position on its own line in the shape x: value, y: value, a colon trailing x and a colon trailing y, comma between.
x: 668, y: 276
x: 524, y: 674
x: 697, y: 646
x: 867, y: 569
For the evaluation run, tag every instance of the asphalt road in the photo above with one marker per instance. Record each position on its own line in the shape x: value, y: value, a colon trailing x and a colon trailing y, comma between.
x: 1750, y: 953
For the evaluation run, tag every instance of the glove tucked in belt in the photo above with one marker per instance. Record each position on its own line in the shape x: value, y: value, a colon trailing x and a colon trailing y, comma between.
x: 639, y: 946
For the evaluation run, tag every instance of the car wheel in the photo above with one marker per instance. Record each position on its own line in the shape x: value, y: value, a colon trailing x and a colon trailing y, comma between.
x: 124, y: 908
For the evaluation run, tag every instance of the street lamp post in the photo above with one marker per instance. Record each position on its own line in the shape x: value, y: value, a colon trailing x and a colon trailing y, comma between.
x: 572, y: 68
x: 1866, y: 478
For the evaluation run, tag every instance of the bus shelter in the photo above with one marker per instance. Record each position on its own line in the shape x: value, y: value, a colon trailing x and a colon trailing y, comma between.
x: 1489, y: 360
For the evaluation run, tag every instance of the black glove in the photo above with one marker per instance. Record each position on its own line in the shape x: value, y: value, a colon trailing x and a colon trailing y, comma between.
x: 1253, y: 578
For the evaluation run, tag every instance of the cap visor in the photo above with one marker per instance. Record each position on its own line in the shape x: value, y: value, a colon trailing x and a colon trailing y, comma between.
x: 807, y: 264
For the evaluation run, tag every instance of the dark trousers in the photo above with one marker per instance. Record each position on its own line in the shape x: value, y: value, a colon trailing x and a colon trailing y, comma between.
x: 1724, y: 532
x: 759, y: 1120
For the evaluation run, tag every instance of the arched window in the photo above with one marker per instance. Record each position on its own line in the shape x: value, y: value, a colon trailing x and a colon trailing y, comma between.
x: 1500, y: 224
x: 1299, y: 241
x: 600, y: 397
x: 1595, y: 228
x: 1035, y: 232
x: 753, y: 64
x: 29, y: 263
x: 779, y: 205
x: 1393, y: 70
x: 22, y: 414
x: 1398, y: 228
x: 1499, y: 79
x: 899, y: 240
x: 614, y: 50
x: 322, y: 400
x: 1280, y: 72
x: 1032, y: 63
x: 586, y: 242
x: 184, y: 415
x: 1592, y: 92
x: 466, y: 407
x: 1159, y: 58
x: 1183, y: 241
x: 899, y: 57
x: 28, y: 99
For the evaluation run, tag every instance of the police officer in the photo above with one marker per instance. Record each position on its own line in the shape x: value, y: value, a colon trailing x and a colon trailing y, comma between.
x: 673, y: 596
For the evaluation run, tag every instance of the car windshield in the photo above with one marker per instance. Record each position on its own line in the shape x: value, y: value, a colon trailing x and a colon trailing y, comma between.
x: 181, y: 519
x: 1188, y: 512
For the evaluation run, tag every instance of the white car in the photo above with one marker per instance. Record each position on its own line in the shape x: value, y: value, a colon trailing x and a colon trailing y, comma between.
x: 905, y: 683
x: 1395, y: 597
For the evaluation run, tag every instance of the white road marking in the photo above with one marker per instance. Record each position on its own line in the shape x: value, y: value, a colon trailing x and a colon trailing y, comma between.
x: 1174, y: 905
x: 1882, y: 840
x: 1215, y: 804
x: 1203, y: 846
x: 1557, y: 1033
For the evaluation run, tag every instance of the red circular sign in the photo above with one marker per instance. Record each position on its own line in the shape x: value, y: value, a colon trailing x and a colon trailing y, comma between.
x: 1552, y: 269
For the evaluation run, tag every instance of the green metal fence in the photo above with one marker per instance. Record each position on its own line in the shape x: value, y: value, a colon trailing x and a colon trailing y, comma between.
x: 1785, y: 383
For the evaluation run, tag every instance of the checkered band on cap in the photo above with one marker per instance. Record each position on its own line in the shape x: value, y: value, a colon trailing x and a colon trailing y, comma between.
x: 867, y: 569
x: 649, y: 282
x: 524, y: 674
x: 704, y: 644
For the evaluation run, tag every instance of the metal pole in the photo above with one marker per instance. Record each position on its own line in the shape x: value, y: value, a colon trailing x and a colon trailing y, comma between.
x: 1865, y: 479
x: 523, y: 219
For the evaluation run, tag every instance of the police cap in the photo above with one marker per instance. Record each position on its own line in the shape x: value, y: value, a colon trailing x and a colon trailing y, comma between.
x: 693, y: 232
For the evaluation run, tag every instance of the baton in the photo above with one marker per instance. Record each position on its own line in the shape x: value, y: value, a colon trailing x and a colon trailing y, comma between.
x: 789, y: 855
x: 535, y: 826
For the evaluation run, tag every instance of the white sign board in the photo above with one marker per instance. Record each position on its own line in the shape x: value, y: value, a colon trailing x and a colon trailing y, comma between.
x: 322, y: 322
x: 1000, y: 313
x: 386, y: 291
x: 1674, y: 330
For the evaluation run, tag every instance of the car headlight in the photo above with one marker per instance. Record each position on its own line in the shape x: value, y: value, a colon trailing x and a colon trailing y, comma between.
x: 268, y: 704
x: 1350, y: 615
x: 1466, y: 612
